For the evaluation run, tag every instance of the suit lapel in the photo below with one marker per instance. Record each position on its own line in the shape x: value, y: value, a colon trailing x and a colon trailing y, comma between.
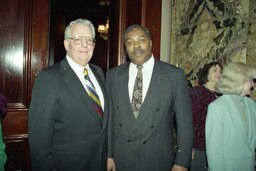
x: 123, y: 76
x: 104, y: 91
x: 152, y: 97
x: 155, y: 84
x: 235, y: 115
x: 73, y: 82
x: 251, y: 124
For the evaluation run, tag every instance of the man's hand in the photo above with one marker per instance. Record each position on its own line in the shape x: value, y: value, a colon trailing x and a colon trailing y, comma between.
x: 111, y: 165
x: 179, y: 168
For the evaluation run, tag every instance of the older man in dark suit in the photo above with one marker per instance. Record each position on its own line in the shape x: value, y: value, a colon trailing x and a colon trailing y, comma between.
x: 145, y: 93
x: 68, y: 112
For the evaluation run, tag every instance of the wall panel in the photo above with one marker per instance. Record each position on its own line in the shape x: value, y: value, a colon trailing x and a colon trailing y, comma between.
x: 143, y: 12
x: 23, y: 53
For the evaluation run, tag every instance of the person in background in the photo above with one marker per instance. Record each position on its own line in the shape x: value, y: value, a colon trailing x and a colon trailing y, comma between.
x: 201, y: 96
x: 145, y: 93
x: 3, y: 105
x: 231, y: 121
x: 68, y: 114
x: 3, y: 157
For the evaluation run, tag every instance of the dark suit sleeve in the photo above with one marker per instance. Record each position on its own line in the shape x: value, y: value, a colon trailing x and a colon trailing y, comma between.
x: 182, y: 107
x: 41, y: 122
x: 110, y: 121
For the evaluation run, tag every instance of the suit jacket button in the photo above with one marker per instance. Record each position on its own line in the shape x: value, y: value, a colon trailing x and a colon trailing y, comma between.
x: 129, y: 141
x: 144, y: 142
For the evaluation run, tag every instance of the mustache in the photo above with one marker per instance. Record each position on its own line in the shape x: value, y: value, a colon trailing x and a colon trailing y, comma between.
x: 138, y: 50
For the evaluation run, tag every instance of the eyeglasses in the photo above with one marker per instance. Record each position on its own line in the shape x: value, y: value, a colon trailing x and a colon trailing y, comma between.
x: 78, y: 40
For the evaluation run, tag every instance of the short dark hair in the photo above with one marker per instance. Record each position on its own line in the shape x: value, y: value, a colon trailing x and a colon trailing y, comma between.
x: 136, y: 26
x: 203, y: 73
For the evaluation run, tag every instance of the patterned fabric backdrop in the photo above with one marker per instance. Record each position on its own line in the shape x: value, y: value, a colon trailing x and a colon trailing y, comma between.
x: 212, y: 30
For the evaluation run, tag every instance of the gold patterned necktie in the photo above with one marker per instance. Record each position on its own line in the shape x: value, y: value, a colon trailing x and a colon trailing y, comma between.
x: 137, y: 92
x: 93, y: 94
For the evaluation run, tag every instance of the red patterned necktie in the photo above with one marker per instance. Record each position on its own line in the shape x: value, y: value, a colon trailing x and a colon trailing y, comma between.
x: 137, y: 92
x: 93, y: 94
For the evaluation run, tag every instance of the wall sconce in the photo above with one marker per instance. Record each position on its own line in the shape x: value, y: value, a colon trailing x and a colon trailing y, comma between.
x: 103, y: 30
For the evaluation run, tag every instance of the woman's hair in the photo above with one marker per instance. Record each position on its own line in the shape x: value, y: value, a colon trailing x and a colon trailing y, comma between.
x: 79, y: 21
x: 203, y: 74
x: 234, y: 76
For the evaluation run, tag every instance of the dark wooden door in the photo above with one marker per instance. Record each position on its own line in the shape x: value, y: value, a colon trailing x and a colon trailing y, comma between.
x: 64, y: 11
x: 24, y: 32
x: 127, y: 12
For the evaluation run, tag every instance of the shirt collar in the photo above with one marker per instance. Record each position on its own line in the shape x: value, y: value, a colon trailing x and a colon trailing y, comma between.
x: 77, y: 68
x: 147, y: 65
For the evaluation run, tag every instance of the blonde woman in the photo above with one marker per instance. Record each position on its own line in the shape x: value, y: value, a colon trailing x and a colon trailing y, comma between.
x: 231, y: 121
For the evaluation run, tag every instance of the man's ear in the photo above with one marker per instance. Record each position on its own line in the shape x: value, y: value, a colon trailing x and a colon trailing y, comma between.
x: 66, y: 45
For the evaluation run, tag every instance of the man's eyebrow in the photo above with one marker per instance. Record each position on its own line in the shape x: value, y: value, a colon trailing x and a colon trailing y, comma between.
x: 138, y: 36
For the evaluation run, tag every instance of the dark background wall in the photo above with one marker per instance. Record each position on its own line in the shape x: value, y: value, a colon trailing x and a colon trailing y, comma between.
x: 64, y: 11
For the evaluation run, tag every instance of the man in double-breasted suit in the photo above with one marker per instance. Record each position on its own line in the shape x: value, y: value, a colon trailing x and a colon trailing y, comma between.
x: 66, y: 132
x: 145, y: 141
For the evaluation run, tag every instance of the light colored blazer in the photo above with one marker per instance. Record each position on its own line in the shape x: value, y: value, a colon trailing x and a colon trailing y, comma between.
x: 227, y: 146
x: 147, y: 143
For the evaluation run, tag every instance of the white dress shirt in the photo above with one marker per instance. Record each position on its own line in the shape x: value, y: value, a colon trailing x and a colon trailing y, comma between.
x: 147, y: 71
x: 79, y: 72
